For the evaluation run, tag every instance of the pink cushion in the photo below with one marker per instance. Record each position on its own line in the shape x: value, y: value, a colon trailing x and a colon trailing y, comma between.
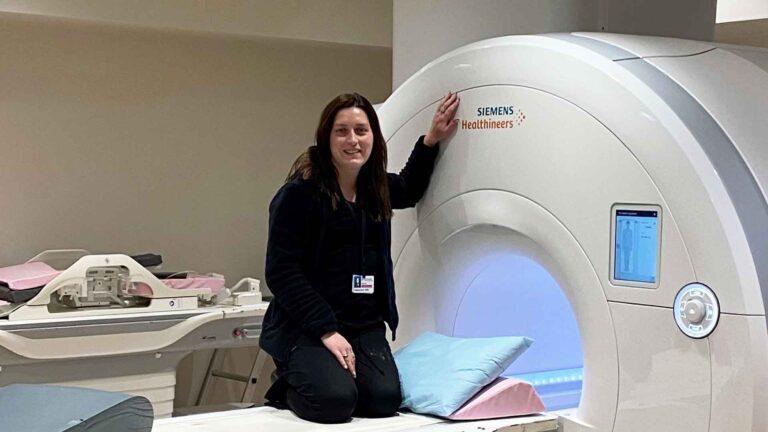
x: 504, y: 397
x: 28, y: 275
x: 215, y: 284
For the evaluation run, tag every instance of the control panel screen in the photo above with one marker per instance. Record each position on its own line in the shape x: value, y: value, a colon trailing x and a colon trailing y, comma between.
x: 636, y: 245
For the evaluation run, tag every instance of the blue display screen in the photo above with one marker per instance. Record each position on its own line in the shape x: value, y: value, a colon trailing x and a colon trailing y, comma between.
x: 636, y: 245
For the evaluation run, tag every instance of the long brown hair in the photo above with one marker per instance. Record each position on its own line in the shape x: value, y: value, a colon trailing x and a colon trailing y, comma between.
x: 316, y: 163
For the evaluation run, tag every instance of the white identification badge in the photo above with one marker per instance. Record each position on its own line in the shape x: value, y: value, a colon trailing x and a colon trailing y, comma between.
x: 362, y: 284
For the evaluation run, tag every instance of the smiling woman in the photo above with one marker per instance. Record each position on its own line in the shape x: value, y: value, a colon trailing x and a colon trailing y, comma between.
x: 329, y: 264
x: 351, y: 142
x: 355, y: 138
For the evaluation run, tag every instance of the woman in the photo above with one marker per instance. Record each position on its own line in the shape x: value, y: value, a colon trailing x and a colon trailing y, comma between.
x: 329, y: 264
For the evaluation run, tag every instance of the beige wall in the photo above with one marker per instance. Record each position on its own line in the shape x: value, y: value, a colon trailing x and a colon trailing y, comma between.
x: 129, y: 140
x: 359, y: 22
x: 752, y: 33
x: 686, y: 19
x: 423, y: 30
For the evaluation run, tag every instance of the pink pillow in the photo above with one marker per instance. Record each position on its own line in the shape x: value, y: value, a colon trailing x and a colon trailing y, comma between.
x: 504, y: 397
x: 28, y: 275
x: 215, y: 284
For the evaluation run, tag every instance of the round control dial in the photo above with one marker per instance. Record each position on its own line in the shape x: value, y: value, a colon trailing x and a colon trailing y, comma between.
x: 696, y: 310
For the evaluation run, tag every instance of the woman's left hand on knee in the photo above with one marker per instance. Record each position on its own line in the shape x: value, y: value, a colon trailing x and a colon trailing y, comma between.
x: 341, y: 349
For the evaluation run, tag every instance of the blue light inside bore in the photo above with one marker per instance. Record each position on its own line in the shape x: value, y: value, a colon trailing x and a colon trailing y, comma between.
x: 515, y: 296
x: 559, y: 389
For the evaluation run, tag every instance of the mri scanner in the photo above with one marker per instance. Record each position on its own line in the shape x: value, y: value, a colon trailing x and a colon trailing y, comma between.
x: 605, y: 195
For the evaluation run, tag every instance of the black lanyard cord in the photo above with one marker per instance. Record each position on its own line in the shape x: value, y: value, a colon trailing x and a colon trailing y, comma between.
x: 360, y: 227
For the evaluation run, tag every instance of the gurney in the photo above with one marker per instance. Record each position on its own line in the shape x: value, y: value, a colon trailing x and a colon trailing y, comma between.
x: 20, y: 283
x: 107, y: 322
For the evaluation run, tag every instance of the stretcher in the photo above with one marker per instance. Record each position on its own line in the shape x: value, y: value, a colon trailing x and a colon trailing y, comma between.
x: 107, y: 322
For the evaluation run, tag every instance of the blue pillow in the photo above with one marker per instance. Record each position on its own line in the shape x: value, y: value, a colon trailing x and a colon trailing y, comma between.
x: 439, y: 373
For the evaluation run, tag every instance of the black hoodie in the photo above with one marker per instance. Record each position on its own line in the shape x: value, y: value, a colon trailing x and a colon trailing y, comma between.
x: 298, y: 217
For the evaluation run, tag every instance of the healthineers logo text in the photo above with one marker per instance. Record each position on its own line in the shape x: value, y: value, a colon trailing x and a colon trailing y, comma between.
x: 495, y: 117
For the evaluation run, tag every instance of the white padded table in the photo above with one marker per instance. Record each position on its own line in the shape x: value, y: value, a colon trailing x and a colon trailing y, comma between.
x: 274, y: 420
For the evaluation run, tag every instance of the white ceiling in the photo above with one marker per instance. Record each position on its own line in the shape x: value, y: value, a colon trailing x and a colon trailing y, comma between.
x: 741, y: 10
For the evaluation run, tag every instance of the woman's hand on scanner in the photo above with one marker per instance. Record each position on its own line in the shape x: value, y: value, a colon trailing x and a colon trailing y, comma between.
x: 443, y: 123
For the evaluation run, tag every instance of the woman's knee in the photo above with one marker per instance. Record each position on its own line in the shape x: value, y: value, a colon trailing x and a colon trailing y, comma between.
x: 332, y: 404
x: 336, y: 404
x: 382, y: 401
x: 320, y: 390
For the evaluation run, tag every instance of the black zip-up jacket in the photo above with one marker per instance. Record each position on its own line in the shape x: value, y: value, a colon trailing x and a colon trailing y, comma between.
x: 295, y: 248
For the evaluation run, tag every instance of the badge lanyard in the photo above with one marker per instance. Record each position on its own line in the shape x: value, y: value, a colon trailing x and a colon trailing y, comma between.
x: 359, y: 226
x: 361, y: 283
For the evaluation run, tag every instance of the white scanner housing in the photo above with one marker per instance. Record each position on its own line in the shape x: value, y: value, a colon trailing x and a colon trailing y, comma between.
x: 517, y: 233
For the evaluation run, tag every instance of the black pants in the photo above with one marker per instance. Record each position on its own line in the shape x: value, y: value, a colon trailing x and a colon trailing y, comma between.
x: 315, y: 387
